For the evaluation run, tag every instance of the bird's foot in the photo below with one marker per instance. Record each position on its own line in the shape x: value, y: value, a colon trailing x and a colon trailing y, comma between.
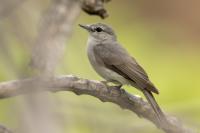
x: 119, y: 86
x: 105, y: 82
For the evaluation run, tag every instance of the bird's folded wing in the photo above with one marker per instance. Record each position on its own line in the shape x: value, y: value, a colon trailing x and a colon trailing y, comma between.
x: 117, y: 59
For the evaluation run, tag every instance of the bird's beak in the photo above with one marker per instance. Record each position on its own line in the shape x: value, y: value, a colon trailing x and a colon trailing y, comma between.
x: 85, y: 27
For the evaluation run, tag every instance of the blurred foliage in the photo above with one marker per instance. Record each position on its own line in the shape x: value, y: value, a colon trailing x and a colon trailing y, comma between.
x: 154, y: 36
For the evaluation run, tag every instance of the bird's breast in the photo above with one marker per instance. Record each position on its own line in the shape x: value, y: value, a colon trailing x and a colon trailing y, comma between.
x: 96, y: 63
x: 99, y: 66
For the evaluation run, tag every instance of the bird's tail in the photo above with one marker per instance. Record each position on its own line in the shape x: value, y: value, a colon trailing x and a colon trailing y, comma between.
x: 159, y: 114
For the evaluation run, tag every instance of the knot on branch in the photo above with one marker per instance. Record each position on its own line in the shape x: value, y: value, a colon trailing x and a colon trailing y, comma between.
x: 95, y: 7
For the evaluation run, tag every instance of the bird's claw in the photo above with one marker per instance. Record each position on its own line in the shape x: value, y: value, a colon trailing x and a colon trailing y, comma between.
x: 105, y: 82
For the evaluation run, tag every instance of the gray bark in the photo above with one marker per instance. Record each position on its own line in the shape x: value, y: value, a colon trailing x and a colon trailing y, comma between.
x: 97, y: 89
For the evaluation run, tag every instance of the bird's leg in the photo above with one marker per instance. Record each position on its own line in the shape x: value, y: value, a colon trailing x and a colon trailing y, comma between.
x: 117, y: 86
x: 106, y: 82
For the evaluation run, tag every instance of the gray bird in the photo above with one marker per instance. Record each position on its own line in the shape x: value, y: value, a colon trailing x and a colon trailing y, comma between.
x: 111, y: 61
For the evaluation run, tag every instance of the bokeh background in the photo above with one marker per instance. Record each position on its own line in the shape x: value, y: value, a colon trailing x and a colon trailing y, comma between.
x: 164, y: 37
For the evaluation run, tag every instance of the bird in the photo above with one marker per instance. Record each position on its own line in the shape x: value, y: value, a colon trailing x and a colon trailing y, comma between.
x: 112, y: 62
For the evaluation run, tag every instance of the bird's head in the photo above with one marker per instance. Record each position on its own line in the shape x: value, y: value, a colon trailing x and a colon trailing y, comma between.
x: 100, y: 31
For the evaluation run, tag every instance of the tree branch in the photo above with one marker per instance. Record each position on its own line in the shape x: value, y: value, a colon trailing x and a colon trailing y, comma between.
x: 94, y: 88
x: 55, y: 29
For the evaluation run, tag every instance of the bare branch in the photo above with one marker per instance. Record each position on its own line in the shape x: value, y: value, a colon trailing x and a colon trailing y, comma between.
x: 97, y: 89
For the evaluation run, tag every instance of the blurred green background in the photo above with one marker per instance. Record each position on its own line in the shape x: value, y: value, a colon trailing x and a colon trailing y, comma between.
x: 164, y: 37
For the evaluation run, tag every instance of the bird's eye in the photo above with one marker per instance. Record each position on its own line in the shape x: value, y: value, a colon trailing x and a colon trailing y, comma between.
x: 98, y: 29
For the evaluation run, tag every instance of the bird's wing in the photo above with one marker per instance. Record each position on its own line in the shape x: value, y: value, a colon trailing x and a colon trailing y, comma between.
x: 117, y: 59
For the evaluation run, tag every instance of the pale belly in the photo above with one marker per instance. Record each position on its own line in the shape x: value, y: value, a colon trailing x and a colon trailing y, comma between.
x: 110, y: 75
x: 99, y: 67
